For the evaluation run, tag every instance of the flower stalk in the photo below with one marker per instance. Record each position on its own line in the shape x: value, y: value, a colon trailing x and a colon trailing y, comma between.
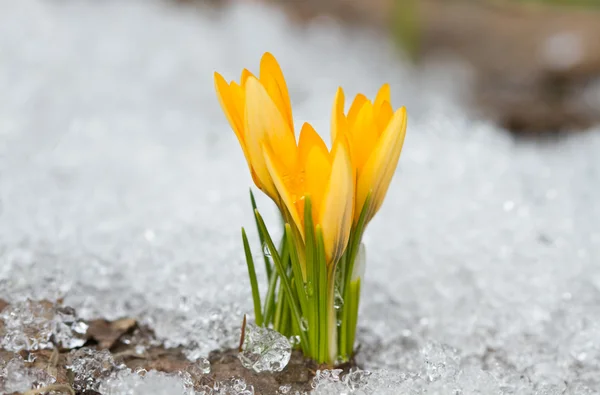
x: 326, y: 198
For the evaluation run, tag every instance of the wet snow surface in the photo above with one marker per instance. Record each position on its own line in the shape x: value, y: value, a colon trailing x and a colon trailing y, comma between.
x: 123, y: 189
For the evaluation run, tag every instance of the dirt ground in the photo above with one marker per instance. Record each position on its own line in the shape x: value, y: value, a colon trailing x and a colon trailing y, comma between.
x: 123, y: 336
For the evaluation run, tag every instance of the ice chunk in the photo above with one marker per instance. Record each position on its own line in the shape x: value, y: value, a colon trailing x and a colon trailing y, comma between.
x: 264, y: 350
x: 15, y: 376
x: 27, y: 326
x: 127, y: 382
x: 68, y: 331
x: 34, y: 325
x: 90, y: 367
x: 233, y: 386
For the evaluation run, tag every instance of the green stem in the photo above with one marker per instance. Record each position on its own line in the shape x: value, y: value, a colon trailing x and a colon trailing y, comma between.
x: 322, y: 297
x: 312, y: 283
x: 344, y: 313
x: 331, y: 316
x: 353, y: 315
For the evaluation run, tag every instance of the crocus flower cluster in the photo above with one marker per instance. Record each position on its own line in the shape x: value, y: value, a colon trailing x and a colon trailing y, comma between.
x: 326, y: 197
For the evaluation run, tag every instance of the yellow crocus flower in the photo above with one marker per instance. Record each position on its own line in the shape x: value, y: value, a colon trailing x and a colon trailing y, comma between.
x: 260, y: 114
x: 233, y: 99
x: 376, y: 134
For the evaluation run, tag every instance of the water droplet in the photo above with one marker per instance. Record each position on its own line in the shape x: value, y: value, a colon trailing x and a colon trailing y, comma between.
x: 266, y: 250
x: 294, y: 340
x: 285, y: 389
x: 303, y: 324
x: 338, y: 301
x: 308, y: 287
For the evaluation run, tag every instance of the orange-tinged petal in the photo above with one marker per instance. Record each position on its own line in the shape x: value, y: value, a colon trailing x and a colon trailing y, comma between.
x: 336, y: 208
x: 245, y: 74
x: 381, y: 191
x: 317, y: 172
x: 308, y: 140
x: 272, y: 79
x: 227, y: 102
x: 231, y: 98
x: 364, y: 135
x: 265, y: 123
x: 382, y: 108
x: 238, y: 98
x: 383, y: 95
x: 281, y: 176
x: 377, y: 172
x: 338, y: 119
x: 383, y: 115
x: 357, y: 104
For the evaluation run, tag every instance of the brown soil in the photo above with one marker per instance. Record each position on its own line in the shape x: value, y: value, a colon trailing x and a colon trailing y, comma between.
x: 122, y: 336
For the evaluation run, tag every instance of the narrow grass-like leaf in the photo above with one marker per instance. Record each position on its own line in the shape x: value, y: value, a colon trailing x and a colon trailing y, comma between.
x: 284, y: 280
x: 279, y: 306
x: 360, y: 227
x: 261, y: 238
x: 269, y: 308
x: 297, y: 270
x: 253, y: 282
x: 346, y: 329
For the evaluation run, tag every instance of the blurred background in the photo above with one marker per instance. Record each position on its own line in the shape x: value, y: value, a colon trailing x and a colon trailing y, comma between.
x: 533, y: 65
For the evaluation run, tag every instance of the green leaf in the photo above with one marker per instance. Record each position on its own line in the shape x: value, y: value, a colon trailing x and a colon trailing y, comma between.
x: 296, y: 269
x: 284, y: 280
x: 253, y: 282
x: 261, y: 238
x: 312, y: 279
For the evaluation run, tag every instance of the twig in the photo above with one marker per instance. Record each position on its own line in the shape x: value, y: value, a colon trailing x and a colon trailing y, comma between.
x: 51, y: 387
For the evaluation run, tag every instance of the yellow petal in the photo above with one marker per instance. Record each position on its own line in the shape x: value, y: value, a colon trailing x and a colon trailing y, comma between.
x: 357, y: 104
x: 272, y: 79
x: 338, y: 119
x: 382, y: 108
x: 317, y: 172
x: 377, y: 173
x: 383, y: 114
x: 383, y: 96
x: 308, y: 140
x: 228, y: 105
x: 245, y: 74
x: 231, y: 98
x: 336, y: 208
x: 281, y: 175
x: 264, y: 123
x: 363, y: 133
